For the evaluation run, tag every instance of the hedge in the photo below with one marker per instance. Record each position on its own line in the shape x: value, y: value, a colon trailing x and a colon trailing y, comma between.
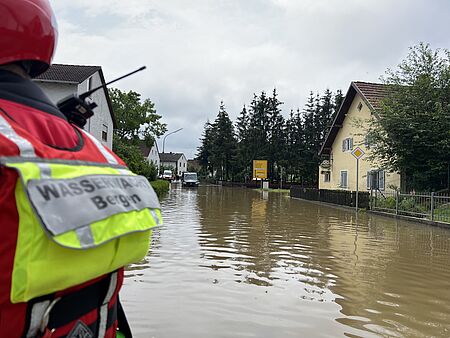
x: 161, y: 187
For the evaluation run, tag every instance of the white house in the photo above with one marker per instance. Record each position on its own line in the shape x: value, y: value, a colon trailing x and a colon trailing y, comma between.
x: 175, y: 160
x: 151, y: 154
x: 61, y: 80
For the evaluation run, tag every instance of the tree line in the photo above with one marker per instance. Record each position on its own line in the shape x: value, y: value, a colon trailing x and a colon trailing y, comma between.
x: 290, y: 145
x: 410, y: 131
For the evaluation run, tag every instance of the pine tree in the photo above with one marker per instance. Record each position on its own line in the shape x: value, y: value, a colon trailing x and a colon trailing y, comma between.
x: 223, y: 145
x: 277, y: 138
x: 205, y: 149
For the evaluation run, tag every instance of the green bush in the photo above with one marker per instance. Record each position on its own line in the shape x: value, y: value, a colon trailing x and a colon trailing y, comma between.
x: 132, y: 156
x: 160, y: 186
x: 410, y: 204
x: 386, y: 203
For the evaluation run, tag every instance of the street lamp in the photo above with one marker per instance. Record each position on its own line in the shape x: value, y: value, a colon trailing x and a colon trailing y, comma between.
x: 164, y: 139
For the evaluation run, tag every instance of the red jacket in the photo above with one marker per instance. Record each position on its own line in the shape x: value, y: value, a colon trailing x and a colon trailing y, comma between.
x: 53, y: 138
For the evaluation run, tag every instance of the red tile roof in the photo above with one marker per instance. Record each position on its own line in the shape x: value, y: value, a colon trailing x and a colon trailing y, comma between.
x: 373, y: 92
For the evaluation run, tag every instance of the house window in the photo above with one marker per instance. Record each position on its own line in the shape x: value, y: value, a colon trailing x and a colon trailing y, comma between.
x: 90, y: 83
x: 369, y: 180
x: 326, y: 176
x: 360, y: 106
x: 104, y: 133
x: 347, y: 144
x: 344, y: 182
x: 369, y: 141
x: 376, y: 179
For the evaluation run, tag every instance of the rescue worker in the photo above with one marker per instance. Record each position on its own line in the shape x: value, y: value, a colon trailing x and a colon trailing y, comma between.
x: 71, y: 213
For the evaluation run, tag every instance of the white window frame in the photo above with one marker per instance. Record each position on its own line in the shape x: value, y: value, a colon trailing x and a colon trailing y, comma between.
x: 347, y: 144
x: 368, y: 179
x: 346, y: 179
x: 327, y: 177
x: 381, y: 179
x: 105, y: 130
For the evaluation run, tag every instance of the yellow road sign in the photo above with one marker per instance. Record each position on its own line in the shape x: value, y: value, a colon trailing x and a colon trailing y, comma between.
x: 260, y: 169
x: 358, y: 153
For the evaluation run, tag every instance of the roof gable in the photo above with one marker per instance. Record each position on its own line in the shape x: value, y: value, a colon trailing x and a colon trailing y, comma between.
x: 76, y: 74
x: 372, y: 94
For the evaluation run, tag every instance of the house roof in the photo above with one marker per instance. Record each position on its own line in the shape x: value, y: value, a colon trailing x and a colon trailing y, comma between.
x: 75, y: 74
x: 170, y: 157
x: 146, y: 150
x: 371, y: 93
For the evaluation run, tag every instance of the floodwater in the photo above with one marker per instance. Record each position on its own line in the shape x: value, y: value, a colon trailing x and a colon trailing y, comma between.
x: 233, y: 262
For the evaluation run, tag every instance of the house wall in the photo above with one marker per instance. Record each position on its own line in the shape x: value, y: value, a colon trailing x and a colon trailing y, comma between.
x: 172, y: 165
x: 153, y: 156
x: 57, y: 91
x: 182, y: 165
x: 102, y: 116
x: 341, y: 161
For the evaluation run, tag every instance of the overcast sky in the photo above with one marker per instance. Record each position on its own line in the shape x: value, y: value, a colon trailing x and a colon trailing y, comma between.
x: 200, y: 52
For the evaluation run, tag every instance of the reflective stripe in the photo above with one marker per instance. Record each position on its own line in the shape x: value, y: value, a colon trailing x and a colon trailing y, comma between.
x: 25, y: 147
x: 46, y: 170
x: 85, y: 236
x: 125, y: 171
x: 108, y: 156
x: 155, y: 216
x: 104, y: 308
x: 16, y: 159
x: 37, y: 313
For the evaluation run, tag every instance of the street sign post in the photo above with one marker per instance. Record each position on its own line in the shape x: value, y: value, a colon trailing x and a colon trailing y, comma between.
x: 357, y: 153
x: 260, y: 170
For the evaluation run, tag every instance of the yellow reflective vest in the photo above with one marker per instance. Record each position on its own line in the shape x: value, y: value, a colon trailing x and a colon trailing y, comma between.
x: 78, y: 219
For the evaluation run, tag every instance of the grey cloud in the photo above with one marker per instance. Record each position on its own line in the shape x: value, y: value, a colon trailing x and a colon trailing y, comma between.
x: 201, y: 52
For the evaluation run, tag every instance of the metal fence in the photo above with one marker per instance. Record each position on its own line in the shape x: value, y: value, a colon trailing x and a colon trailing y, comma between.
x: 430, y: 206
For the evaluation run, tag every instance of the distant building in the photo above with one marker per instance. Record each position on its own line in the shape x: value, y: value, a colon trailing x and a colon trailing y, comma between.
x: 151, y: 154
x: 177, y: 161
x: 61, y: 80
x: 338, y: 170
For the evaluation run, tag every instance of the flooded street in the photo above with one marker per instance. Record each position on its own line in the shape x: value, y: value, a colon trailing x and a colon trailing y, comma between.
x: 231, y: 262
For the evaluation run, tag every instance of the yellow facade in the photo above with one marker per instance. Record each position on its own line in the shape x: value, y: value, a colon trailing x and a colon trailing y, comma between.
x: 353, y: 128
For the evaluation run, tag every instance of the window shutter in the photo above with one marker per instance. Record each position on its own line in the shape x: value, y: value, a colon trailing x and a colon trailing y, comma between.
x: 368, y: 180
x: 343, y: 145
x: 381, y: 179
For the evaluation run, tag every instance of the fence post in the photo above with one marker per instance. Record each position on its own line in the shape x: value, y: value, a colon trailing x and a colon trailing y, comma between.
x: 396, y: 202
x: 432, y: 206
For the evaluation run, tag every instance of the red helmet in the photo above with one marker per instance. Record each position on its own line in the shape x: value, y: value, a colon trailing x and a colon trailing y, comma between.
x: 28, y: 32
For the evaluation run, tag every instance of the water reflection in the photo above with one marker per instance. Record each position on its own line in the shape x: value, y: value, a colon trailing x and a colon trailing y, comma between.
x: 238, y: 262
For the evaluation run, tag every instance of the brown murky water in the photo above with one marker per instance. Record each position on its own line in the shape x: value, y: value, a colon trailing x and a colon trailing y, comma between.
x: 242, y: 263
